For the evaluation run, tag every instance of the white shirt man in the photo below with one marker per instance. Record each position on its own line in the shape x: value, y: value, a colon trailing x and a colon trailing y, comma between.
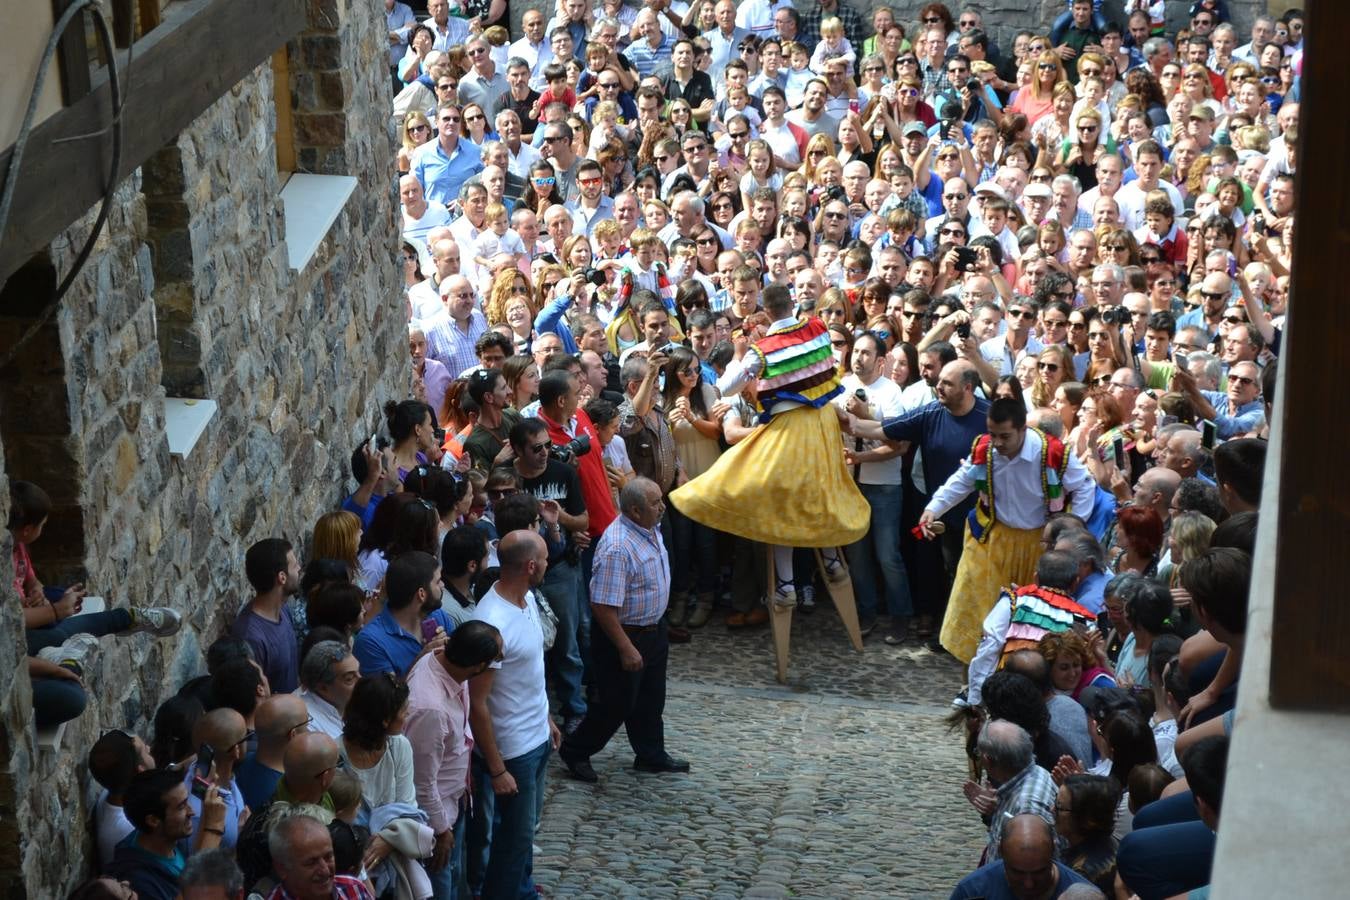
x: 883, y: 402
x: 756, y: 16
x: 533, y: 47
x: 419, y: 216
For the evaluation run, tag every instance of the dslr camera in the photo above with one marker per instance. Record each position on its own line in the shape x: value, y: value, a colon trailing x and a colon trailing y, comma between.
x: 1116, y: 315
x: 568, y: 453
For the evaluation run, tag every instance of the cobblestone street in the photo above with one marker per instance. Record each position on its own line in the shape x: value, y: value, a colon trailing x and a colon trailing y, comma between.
x: 844, y: 783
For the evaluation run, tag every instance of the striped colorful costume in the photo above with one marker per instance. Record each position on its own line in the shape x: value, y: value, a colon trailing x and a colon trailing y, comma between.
x: 786, y: 484
x: 994, y: 555
x: 1036, y: 612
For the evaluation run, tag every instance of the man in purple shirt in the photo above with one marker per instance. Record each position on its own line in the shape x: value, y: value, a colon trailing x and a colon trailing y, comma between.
x: 264, y: 623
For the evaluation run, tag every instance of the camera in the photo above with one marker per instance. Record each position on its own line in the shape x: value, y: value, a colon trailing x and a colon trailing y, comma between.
x: 1116, y: 315
x: 593, y: 276
x: 966, y: 258
x: 567, y: 453
x: 963, y: 330
x: 1258, y: 223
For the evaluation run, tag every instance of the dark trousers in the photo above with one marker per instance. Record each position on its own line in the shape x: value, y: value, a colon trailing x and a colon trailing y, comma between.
x: 636, y: 700
x: 56, y: 700
x: 932, y: 564
x: 1166, y: 860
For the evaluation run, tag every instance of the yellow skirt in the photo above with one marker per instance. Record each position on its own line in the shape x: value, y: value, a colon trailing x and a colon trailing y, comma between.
x: 786, y: 484
x: 1007, y: 558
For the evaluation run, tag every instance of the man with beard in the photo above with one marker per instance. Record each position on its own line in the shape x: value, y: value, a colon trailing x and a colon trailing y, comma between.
x: 274, y: 573
x: 412, y: 622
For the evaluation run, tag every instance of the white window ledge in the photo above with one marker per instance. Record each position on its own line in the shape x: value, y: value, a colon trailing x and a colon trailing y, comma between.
x: 185, y: 421
x: 312, y: 204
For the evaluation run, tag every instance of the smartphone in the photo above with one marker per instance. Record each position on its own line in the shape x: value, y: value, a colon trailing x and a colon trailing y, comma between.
x: 202, y: 771
x: 1181, y: 360
x: 371, y: 446
x: 429, y: 627
x: 1118, y: 447
x: 1208, y: 432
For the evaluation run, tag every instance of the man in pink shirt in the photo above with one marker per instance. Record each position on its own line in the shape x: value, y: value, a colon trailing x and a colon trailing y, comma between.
x: 438, y: 729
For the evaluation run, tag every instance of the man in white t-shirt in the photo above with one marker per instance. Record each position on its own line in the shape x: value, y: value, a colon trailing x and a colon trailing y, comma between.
x: 509, y: 714
x: 876, y: 466
x: 113, y: 760
x: 419, y: 216
x: 1148, y: 162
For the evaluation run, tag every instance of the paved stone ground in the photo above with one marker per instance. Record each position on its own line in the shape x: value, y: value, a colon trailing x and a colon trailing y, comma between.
x: 844, y: 783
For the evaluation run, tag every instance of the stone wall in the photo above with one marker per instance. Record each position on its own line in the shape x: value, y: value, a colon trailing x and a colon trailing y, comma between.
x: 190, y: 290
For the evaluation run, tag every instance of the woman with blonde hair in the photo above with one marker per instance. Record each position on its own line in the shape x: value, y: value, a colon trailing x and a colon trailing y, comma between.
x: 1054, y: 366
x: 336, y: 536
x: 506, y: 284
x: 818, y: 149
x: 1051, y: 131
x: 415, y: 131
x: 1037, y: 99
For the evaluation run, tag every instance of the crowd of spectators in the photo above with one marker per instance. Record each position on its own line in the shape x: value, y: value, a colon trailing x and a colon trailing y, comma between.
x: 1086, y: 237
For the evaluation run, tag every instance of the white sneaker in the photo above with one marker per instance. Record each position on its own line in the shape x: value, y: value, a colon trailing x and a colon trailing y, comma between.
x: 157, y: 620
x: 76, y: 653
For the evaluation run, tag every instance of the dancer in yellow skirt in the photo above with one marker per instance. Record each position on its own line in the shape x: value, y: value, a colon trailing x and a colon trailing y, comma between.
x: 786, y: 484
x: 1023, y: 476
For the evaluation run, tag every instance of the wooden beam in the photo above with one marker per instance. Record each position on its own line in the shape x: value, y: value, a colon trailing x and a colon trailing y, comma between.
x: 1308, y: 667
x: 200, y: 49
x: 72, y: 59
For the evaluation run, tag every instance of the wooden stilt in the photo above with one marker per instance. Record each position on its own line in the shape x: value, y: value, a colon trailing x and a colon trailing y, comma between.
x: 841, y: 592
x: 780, y: 620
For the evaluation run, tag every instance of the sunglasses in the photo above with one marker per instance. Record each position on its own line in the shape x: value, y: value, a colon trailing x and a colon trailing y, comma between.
x: 1234, y: 320
x: 1241, y: 379
x: 547, y: 181
x: 955, y: 196
x: 953, y: 232
x: 705, y: 240
x: 538, y: 448
x: 908, y: 61
x: 1087, y: 127
x: 835, y: 215
x: 1055, y: 323
x: 661, y: 159
x: 1047, y: 67
x: 417, y: 128
x: 1214, y: 296
x: 448, y: 86
x: 908, y: 92
x: 1022, y: 313
x: 590, y: 180
x: 474, y: 118
x: 520, y: 289
x: 931, y: 19
x: 556, y: 137
x: 1149, y: 260
x: 1048, y: 367
x: 477, y: 51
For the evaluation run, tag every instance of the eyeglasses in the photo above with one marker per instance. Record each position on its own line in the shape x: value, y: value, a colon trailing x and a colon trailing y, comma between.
x: 537, y: 448
x: 1234, y: 320
x: 474, y: 118
x: 1241, y: 379
x: 520, y: 289
x: 1149, y: 260
x: 909, y: 92
x: 449, y: 120
x: 447, y: 86
x: 689, y: 371
x: 416, y: 128
x: 546, y: 181
x: 969, y: 23
x: 660, y: 159
x: 705, y: 240
x: 1087, y: 126
x: 695, y: 148
x: 608, y: 84
x: 953, y: 232
x: 1045, y: 177
x: 1047, y: 67
x: 1048, y: 367
x: 931, y: 19
x: 1055, y: 323
x: 1218, y: 295
x: 874, y: 68
x: 737, y: 135
x: 1077, y: 326
x: 591, y: 180
x: 477, y: 51
x: 1022, y: 313
x: 907, y: 61
x: 836, y: 215
x: 556, y: 137
x: 1116, y: 248
x: 816, y: 153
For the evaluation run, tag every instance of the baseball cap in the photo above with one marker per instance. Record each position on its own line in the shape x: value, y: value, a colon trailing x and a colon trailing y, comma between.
x: 1202, y: 112
x: 915, y: 128
x: 1036, y: 189
x: 990, y: 187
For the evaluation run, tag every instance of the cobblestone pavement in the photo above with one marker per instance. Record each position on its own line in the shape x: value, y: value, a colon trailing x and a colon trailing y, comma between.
x: 842, y: 784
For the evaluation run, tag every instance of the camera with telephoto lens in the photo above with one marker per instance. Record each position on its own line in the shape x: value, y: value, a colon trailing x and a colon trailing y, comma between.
x: 593, y: 276
x: 568, y: 452
x: 1116, y: 315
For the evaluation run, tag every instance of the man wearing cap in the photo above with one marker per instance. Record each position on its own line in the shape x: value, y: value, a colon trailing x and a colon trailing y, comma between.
x: 1036, y: 202
x: 1201, y: 127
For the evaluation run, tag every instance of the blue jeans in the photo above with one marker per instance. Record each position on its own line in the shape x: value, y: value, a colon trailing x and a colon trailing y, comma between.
x: 449, y: 883
x: 56, y: 700
x: 880, y: 548
x: 509, y: 853
x: 562, y: 590
x: 98, y: 624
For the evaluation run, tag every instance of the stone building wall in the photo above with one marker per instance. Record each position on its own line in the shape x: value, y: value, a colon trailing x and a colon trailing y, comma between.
x: 190, y: 294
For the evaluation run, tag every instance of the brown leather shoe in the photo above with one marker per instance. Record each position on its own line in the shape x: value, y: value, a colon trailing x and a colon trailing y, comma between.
x: 745, y: 619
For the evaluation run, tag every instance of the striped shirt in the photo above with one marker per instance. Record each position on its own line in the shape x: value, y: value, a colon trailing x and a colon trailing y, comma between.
x: 631, y: 571
x: 453, y: 347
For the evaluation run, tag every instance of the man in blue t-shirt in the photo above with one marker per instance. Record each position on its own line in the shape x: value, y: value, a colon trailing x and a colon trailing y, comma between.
x: 945, y: 430
x: 1026, y: 868
x: 265, y: 623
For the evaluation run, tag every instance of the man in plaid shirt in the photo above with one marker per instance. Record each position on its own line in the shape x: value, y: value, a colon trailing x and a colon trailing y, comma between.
x: 1020, y: 786
x: 630, y: 585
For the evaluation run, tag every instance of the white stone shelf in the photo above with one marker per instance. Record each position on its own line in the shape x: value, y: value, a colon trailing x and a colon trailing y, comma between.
x: 312, y: 204
x: 185, y: 421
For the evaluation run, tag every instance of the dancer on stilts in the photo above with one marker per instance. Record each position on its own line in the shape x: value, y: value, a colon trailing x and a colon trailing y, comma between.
x: 786, y: 485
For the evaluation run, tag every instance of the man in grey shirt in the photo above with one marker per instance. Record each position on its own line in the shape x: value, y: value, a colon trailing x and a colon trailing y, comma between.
x: 812, y: 116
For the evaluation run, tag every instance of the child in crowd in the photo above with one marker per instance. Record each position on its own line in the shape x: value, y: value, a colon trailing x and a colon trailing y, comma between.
x: 1160, y: 227
x: 1050, y: 238
x: 618, y: 468
x: 605, y: 126
x: 597, y: 55
x: 749, y: 239
x: 996, y: 213
x: 832, y: 45
x: 642, y: 261
x: 497, y: 238
x: 607, y: 238
x: 760, y: 172
x: 799, y: 73
x: 556, y: 92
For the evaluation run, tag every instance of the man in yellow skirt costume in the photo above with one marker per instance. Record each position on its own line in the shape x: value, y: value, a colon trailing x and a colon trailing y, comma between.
x: 1023, y: 477
x: 786, y: 485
